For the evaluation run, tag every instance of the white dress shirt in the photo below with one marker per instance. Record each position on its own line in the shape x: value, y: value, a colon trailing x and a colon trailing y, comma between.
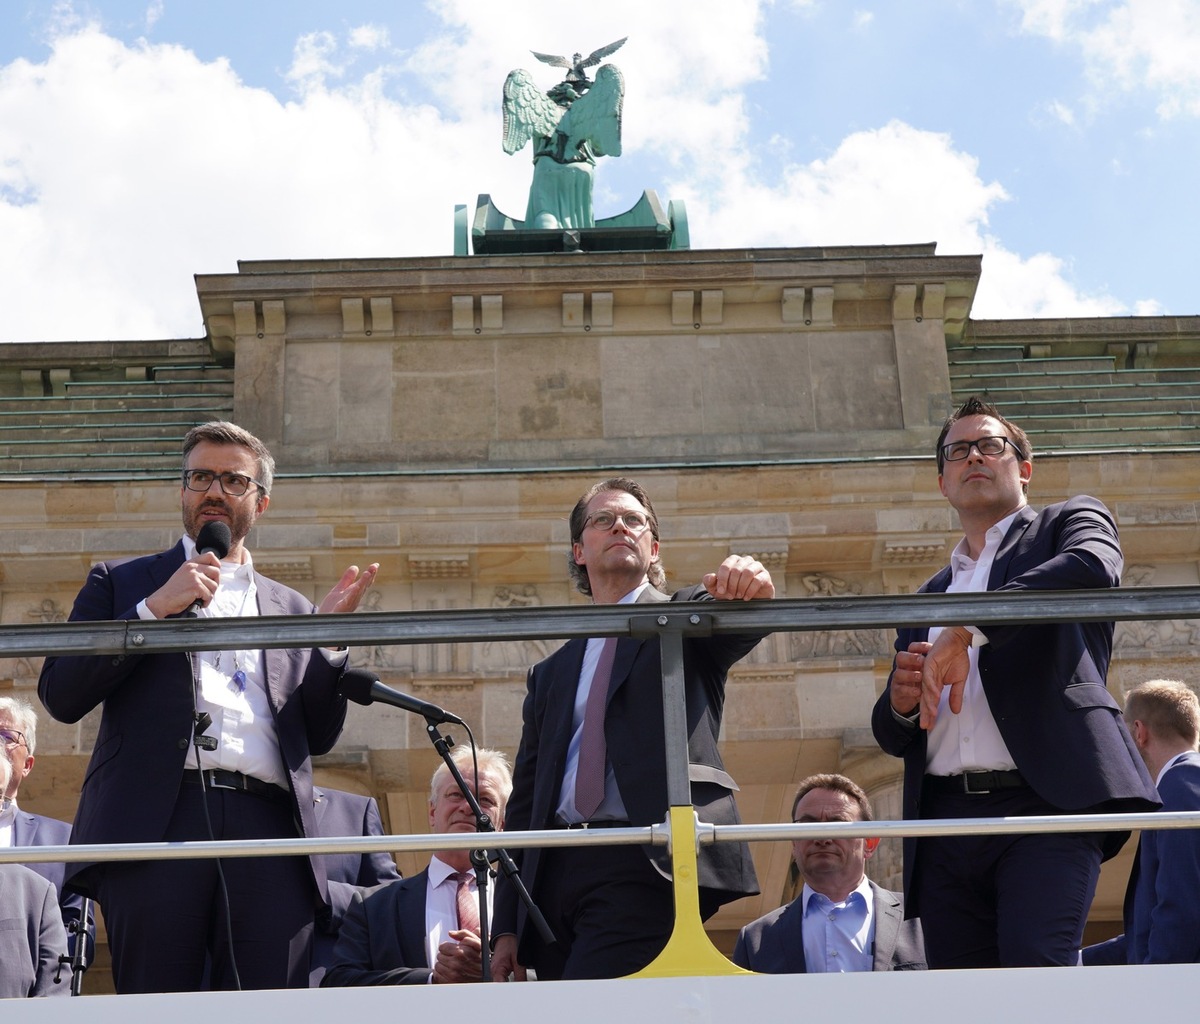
x: 970, y: 740
x: 233, y: 690
x: 441, y: 904
x: 8, y: 815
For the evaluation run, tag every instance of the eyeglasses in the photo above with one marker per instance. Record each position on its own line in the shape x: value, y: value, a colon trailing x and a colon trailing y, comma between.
x: 989, y: 446
x: 232, y: 484
x: 606, y: 520
x: 13, y: 738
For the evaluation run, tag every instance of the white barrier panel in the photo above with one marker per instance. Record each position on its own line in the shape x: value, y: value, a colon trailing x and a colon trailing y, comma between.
x: 1102, y: 994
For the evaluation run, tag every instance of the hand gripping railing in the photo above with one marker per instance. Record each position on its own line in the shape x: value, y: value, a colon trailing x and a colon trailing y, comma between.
x: 688, y: 952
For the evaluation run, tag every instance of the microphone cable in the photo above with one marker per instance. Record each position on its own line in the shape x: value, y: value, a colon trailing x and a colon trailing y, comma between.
x: 200, y: 722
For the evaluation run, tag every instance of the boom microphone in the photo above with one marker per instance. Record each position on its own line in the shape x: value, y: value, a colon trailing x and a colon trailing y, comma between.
x: 362, y: 687
x: 214, y: 536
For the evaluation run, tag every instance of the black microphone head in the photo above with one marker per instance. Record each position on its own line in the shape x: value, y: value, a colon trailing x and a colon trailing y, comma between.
x: 356, y: 685
x: 215, y: 537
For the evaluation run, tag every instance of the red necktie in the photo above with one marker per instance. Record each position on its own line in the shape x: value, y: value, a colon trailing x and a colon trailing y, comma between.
x: 468, y: 908
x: 593, y: 752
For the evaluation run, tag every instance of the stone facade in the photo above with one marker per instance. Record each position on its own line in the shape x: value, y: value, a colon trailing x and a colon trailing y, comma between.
x: 441, y: 416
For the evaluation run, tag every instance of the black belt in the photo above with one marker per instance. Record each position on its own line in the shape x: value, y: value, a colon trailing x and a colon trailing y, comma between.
x: 217, y: 778
x: 606, y: 823
x: 975, y: 783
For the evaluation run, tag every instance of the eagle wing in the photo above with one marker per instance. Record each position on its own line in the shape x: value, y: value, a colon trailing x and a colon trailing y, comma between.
x: 528, y: 112
x: 553, y: 61
x: 596, y: 56
x: 596, y: 116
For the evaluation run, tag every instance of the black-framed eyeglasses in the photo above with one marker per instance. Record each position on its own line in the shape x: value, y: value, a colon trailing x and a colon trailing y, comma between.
x: 605, y: 519
x: 232, y: 484
x: 991, y: 446
x: 13, y: 738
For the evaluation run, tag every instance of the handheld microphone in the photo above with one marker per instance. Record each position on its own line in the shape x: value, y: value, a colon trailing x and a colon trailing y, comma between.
x: 362, y: 687
x: 214, y: 536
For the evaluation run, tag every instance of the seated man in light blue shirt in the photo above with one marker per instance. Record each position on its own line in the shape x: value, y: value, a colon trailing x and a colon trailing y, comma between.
x: 841, y: 921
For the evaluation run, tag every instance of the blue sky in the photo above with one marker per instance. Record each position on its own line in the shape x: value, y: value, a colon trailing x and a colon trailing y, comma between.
x: 143, y: 142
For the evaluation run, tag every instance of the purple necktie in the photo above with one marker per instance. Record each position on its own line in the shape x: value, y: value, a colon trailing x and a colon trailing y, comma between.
x: 468, y: 908
x: 589, y: 776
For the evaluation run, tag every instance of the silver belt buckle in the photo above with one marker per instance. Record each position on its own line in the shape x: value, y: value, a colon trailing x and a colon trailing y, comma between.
x: 967, y: 788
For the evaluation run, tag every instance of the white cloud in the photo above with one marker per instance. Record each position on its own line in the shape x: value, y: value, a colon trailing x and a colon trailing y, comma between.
x: 1132, y: 45
x: 126, y: 169
x: 154, y: 11
x: 369, y: 37
x: 894, y: 185
x: 315, y: 60
x: 1061, y: 113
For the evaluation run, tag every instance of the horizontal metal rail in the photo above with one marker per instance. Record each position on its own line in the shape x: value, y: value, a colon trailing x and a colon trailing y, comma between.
x: 708, y: 617
x: 653, y: 835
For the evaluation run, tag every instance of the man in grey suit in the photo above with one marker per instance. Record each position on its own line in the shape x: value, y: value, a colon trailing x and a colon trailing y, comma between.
x: 841, y: 921
x: 18, y: 827
x: 31, y: 930
x: 339, y: 813
x: 418, y: 930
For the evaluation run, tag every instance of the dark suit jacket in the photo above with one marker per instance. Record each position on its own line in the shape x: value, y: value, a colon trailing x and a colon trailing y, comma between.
x: 383, y: 938
x: 634, y: 733
x: 31, y: 936
x: 1162, y: 901
x: 345, y: 814
x: 774, y: 944
x: 38, y: 830
x: 1044, y: 681
x: 133, y: 780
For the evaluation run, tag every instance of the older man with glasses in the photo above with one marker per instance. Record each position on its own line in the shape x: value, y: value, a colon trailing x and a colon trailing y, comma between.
x: 213, y: 745
x: 1010, y: 719
x: 592, y: 755
x: 19, y: 827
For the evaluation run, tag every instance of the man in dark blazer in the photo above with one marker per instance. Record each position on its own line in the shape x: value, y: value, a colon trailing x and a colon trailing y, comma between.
x: 853, y: 924
x: 18, y: 729
x: 212, y: 745
x: 1162, y: 908
x: 611, y: 908
x: 339, y: 813
x: 411, y: 932
x: 31, y: 929
x: 1011, y: 719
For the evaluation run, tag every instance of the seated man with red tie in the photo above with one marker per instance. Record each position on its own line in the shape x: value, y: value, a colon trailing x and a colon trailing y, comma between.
x: 425, y: 929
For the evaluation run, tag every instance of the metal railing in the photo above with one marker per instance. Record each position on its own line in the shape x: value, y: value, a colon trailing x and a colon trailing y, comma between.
x: 671, y: 624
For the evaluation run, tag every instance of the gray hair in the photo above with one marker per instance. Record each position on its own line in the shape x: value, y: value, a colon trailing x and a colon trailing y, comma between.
x: 24, y: 718
x: 491, y: 762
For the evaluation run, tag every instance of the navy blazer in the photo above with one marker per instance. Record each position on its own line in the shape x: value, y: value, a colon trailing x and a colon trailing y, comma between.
x: 634, y: 732
x: 383, y: 938
x: 1162, y: 901
x: 38, y: 830
x: 145, y: 736
x: 774, y: 944
x: 31, y: 936
x: 1045, y: 682
x: 345, y: 814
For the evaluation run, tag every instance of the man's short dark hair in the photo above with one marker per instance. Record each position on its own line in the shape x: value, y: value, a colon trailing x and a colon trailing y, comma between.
x: 224, y: 432
x: 577, y: 572
x: 976, y: 406
x: 839, y: 784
